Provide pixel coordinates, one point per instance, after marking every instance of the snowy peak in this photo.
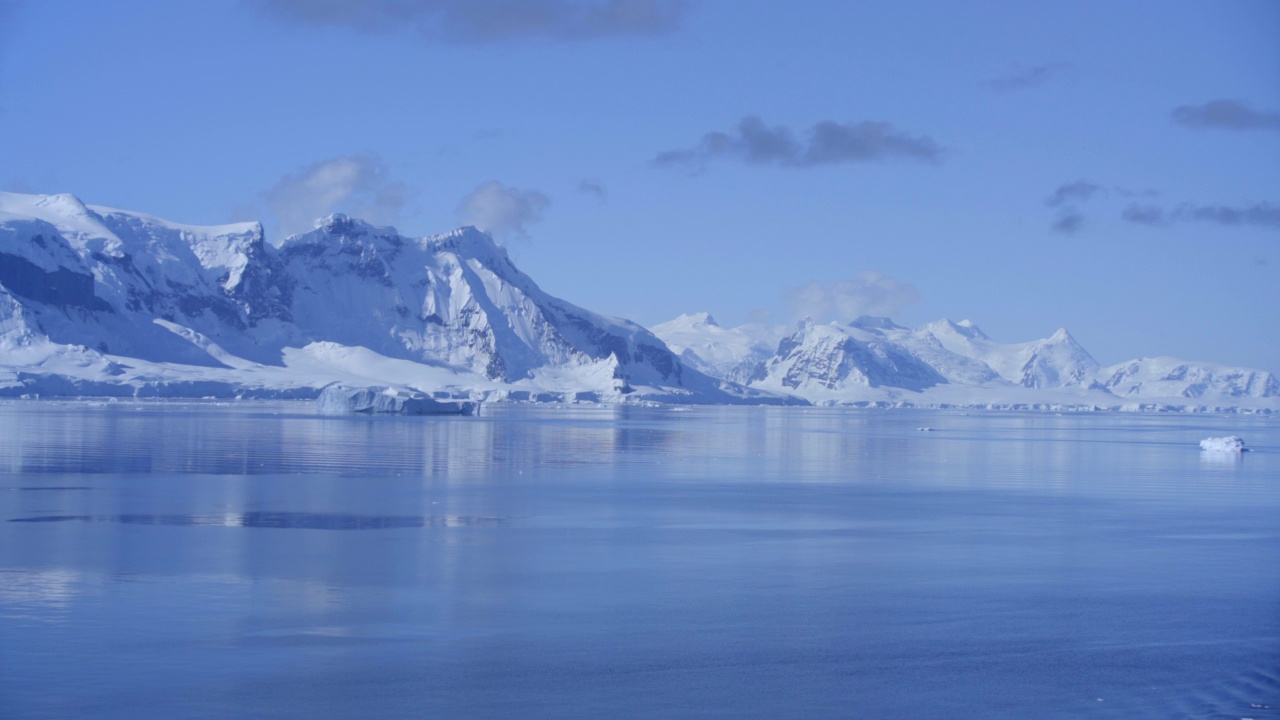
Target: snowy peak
(702, 318)
(823, 361)
(469, 242)
(948, 329)
(870, 322)
(339, 224)
(968, 328)
(1056, 361)
(339, 233)
(689, 322)
(64, 211)
(733, 354)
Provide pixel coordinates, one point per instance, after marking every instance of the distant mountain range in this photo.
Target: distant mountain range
(874, 361)
(102, 302)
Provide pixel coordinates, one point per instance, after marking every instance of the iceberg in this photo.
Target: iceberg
(338, 399)
(1230, 444)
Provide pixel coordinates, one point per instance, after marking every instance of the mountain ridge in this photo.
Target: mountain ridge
(134, 289)
(874, 360)
(101, 301)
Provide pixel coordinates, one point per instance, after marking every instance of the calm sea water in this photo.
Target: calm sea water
(257, 560)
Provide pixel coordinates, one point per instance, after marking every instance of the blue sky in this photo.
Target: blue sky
(1110, 167)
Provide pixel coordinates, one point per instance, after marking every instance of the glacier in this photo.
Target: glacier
(96, 301)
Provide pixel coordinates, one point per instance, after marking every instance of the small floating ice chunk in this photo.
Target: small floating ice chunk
(1230, 444)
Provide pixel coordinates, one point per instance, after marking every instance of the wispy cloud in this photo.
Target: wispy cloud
(826, 143)
(360, 185)
(591, 186)
(1144, 214)
(1067, 198)
(18, 185)
(1225, 115)
(1027, 78)
(1255, 214)
(868, 293)
(1069, 221)
(1261, 215)
(501, 210)
(483, 21)
(1078, 191)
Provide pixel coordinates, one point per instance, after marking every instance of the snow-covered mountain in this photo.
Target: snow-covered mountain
(732, 354)
(92, 297)
(1170, 377)
(1056, 361)
(98, 301)
(823, 361)
(873, 360)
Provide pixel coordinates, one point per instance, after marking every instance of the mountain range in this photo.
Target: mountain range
(102, 302)
(873, 361)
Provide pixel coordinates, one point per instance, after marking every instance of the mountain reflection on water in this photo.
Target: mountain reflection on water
(1034, 450)
(282, 520)
(551, 562)
(268, 438)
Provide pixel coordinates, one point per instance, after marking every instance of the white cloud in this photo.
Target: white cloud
(868, 293)
(501, 210)
(359, 185)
